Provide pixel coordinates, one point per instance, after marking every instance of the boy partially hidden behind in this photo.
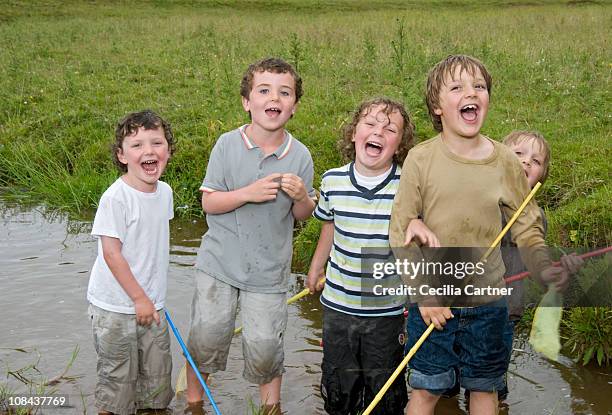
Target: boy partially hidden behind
(457, 182)
(127, 287)
(533, 151)
(258, 182)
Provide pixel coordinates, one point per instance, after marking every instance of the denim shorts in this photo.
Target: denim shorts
(473, 345)
(134, 362)
(213, 320)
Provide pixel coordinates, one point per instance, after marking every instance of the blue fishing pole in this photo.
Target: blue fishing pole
(191, 362)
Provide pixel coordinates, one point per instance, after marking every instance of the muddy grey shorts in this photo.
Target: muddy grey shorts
(213, 317)
(134, 362)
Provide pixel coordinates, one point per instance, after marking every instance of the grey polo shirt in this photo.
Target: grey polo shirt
(250, 247)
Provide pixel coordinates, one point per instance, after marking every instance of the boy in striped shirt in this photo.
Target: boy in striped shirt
(362, 333)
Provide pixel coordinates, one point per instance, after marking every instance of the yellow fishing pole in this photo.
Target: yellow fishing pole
(424, 336)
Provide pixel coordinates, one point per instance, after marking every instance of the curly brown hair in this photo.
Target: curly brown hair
(274, 65)
(346, 144)
(437, 78)
(130, 124)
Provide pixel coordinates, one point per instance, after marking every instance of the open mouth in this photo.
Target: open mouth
(150, 167)
(373, 148)
(469, 112)
(273, 112)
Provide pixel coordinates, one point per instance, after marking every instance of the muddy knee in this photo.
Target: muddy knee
(263, 360)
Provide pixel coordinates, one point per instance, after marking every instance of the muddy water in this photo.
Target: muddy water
(44, 269)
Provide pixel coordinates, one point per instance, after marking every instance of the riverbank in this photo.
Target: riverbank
(45, 261)
(70, 70)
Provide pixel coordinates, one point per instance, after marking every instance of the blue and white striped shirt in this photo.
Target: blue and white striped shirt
(361, 223)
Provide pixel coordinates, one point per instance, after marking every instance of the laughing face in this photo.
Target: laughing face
(463, 104)
(146, 154)
(271, 101)
(377, 137)
(531, 155)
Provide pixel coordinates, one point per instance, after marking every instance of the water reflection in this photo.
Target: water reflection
(44, 270)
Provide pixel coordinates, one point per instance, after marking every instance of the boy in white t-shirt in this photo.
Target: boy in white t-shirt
(127, 287)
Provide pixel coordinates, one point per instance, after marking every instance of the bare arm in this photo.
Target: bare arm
(145, 310)
(407, 204)
(303, 209)
(319, 259)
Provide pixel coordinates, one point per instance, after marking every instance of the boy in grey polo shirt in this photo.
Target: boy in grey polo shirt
(258, 181)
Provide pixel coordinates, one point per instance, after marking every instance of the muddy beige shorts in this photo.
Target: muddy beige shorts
(134, 362)
(213, 318)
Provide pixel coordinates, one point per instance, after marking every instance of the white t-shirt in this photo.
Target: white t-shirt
(141, 222)
(370, 182)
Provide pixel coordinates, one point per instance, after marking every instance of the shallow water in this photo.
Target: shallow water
(45, 261)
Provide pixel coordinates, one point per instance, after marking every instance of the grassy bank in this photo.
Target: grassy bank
(69, 70)
(19, 384)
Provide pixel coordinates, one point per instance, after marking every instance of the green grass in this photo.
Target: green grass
(588, 334)
(587, 331)
(586, 325)
(70, 70)
(29, 380)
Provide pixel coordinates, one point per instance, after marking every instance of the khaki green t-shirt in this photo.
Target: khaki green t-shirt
(461, 201)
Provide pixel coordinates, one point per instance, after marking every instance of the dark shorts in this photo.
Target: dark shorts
(472, 346)
(359, 356)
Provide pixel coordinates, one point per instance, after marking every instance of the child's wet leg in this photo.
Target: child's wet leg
(483, 403)
(194, 393)
(269, 394)
(421, 402)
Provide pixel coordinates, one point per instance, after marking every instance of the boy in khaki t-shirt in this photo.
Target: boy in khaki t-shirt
(457, 182)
